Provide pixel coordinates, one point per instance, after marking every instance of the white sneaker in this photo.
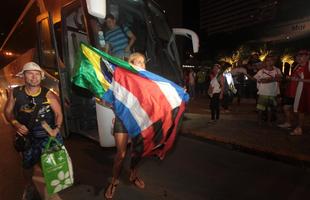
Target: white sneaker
(285, 125)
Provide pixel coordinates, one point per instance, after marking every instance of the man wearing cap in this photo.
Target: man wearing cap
(302, 87)
(23, 103)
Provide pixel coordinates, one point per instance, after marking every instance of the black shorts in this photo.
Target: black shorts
(119, 127)
(289, 101)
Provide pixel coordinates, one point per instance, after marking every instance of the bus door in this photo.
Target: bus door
(81, 109)
(49, 59)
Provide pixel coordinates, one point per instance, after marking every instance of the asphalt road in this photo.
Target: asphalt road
(194, 170)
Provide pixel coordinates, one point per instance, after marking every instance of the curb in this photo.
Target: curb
(300, 161)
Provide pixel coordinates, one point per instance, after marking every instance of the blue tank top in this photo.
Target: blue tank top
(25, 106)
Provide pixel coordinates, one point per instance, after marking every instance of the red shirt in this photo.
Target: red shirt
(292, 86)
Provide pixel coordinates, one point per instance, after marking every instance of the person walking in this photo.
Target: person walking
(121, 141)
(302, 97)
(268, 88)
(192, 83)
(201, 82)
(215, 91)
(26, 107)
(289, 96)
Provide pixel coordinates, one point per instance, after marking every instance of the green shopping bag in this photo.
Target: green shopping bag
(56, 167)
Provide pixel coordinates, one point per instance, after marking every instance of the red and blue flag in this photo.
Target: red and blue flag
(150, 106)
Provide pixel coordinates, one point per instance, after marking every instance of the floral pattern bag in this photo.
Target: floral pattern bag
(56, 167)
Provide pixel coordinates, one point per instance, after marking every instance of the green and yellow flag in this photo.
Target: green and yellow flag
(95, 69)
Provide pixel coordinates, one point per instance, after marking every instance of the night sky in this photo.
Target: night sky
(10, 10)
(180, 13)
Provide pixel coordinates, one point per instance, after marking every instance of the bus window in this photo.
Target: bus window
(160, 26)
(154, 38)
(58, 31)
(47, 51)
(82, 112)
(129, 14)
(74, 34)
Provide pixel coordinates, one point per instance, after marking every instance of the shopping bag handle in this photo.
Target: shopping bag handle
(50, 140)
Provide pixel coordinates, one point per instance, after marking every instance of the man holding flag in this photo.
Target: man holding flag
(148, 106)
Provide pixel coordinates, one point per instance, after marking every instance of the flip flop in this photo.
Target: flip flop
(138, 182)
(110, 190)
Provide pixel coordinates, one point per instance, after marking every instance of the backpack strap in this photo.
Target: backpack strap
(123, 30)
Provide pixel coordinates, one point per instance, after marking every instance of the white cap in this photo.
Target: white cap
(30, 66)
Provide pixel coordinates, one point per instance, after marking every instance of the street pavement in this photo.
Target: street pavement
(196, 168)
(239, 129)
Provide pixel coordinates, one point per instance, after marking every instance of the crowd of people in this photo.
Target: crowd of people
(266, 83)
(262, 80)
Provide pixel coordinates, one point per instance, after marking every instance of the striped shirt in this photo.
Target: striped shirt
(117, 40)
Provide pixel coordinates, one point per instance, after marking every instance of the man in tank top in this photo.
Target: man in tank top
(19, 109)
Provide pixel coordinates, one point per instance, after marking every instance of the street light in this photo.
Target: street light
(287, 59)
(8, 53)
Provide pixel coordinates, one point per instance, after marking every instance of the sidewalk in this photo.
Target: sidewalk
(239, 129)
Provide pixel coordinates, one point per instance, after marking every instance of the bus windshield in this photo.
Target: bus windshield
(154, 37)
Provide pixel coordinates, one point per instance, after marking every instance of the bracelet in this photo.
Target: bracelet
(13, 122)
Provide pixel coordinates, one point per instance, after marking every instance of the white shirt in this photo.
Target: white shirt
(216, 87)
(268, 89)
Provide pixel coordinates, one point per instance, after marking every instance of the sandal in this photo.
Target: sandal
(110, 190)
(297, 131)
(138, 182)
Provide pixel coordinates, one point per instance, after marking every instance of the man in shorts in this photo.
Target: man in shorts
(268, 88)
(302, 96)
(24, 102)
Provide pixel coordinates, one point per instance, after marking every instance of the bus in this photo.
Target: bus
(49, 32)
